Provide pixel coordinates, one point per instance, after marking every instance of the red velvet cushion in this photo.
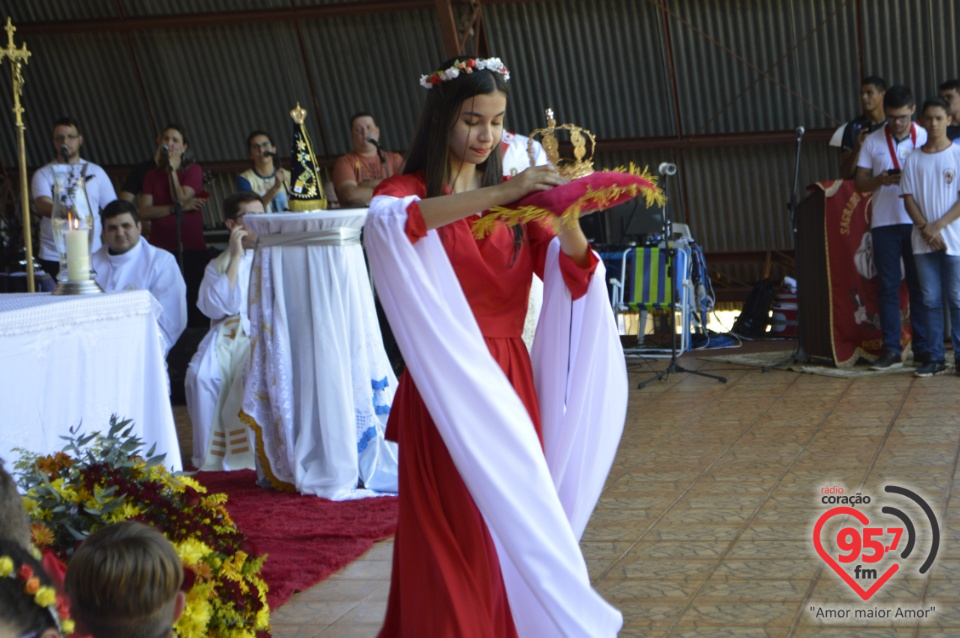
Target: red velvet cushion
(567, 202)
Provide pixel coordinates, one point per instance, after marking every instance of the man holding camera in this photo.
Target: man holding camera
(878, 172)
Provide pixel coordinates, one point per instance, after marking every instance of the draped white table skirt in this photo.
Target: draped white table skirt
(319, 387)
(71, 360)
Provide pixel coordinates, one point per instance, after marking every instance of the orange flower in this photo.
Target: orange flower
(52, 465)
(41, 535)
(32, 586)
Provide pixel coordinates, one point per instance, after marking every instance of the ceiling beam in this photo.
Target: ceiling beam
(185, 20)
(448, 27)
(761, 138)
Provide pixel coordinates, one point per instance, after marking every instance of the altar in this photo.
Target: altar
(77, 360)
(319, 386)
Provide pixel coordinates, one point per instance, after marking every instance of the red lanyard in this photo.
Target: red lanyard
(893, 151)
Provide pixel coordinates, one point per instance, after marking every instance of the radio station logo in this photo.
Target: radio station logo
(866, 547)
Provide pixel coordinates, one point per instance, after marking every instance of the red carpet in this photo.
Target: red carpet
(307, 538)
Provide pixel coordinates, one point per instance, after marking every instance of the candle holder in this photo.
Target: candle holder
(72, 222)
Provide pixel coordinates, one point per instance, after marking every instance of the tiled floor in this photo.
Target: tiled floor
(705, 527)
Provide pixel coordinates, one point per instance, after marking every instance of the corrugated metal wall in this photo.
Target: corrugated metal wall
(726, 73)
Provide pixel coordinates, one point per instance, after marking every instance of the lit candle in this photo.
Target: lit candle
(78, 255)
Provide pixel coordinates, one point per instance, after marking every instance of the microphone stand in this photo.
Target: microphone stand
(799, 355)
(177, 211)
(383, 159)
(671, 263)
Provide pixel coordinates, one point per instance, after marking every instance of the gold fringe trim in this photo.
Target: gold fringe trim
(306, 206)
(278, 485)
(598, 199)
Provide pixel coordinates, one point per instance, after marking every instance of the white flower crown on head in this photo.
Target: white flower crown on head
(465, 66)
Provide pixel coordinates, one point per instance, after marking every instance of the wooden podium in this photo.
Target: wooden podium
(813, 313)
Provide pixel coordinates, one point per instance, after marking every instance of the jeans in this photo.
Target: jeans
(891, 248)
(940, 278)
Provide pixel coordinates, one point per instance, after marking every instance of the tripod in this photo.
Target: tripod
(670, 249)
(799, 355)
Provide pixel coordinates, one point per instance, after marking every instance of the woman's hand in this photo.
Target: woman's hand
(532, 180)
(174, 158)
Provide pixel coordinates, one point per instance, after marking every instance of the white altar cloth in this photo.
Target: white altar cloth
(319, 386)
(67, 360)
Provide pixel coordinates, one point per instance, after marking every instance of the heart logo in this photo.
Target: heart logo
(829, 560)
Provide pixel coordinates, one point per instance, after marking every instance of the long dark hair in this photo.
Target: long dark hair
(429, 151)
(188, 157)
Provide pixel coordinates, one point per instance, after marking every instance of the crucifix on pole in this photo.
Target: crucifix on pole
(19, 57)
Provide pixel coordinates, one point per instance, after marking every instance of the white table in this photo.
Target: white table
(67, 360)
(319, 385)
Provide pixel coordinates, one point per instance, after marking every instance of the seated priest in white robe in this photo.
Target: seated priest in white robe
(214, 383)
(126, 261)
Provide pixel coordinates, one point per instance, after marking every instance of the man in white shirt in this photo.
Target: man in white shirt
(931, 194)
(126, 261)
(214, 383)
(878, 171)
(68, 140)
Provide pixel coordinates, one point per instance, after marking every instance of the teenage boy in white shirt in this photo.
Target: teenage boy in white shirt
(931, 193)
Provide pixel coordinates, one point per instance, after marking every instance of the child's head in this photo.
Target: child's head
(14, 524)
(27, 598)
(452, 99)
(935, 115)
(124, 581)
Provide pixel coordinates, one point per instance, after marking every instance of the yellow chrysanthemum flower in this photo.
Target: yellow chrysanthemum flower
(263, 616)
(192, 551)
(124, 512)
(197, 614)
(186, 480)
(67, 492)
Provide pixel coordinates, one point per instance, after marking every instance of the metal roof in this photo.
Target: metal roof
(715, 86)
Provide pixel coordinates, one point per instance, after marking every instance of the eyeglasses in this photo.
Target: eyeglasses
(63, 138)
(263, 145)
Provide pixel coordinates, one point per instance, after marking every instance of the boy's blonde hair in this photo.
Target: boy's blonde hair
(123, 582)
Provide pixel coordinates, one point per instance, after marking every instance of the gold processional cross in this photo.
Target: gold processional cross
(19, 57)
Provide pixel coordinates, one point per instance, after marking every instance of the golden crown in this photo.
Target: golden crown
(581, 164)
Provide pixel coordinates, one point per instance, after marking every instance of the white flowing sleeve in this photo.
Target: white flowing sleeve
(487, 431)
(217, 298)
(171, 291)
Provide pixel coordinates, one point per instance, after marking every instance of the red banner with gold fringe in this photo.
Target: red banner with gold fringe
(852, 276)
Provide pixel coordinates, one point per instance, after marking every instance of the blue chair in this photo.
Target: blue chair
(646, 284)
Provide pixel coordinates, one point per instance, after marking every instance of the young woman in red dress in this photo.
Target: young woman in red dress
(474, 486)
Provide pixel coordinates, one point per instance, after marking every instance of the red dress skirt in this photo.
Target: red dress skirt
(446, 579)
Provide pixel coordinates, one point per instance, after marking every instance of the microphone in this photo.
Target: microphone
(165, 150)
(269, 154)
(374, 142)
(64, 152)
(801, 131)
(666, 168)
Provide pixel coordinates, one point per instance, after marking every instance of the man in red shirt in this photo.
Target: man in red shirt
(357, 173)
